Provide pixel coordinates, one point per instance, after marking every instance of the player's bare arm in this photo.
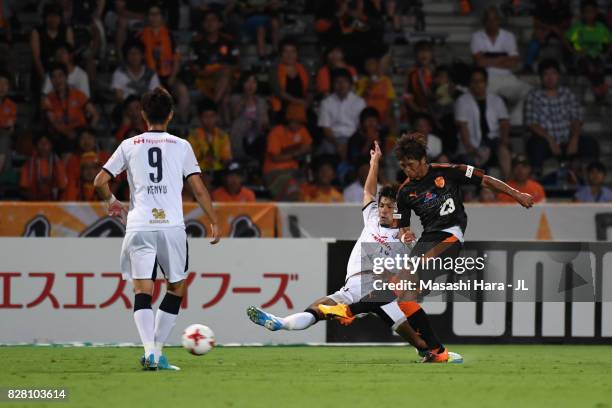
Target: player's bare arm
(370, 187)
(115, 208)
(203, 198)
(524, 199)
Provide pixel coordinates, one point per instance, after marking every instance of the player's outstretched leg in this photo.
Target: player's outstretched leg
(145, 323)
(165, 319)
(296, 321)
(419, 320)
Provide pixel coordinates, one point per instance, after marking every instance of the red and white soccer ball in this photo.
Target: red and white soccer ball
(198, 339)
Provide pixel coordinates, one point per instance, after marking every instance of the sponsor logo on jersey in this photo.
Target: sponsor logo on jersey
(430, 196)
(159, 215)
(139, 140)
(440, 182)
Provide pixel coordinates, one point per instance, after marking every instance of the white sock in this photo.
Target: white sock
(164, 323)
(298, 321)
(145, 323)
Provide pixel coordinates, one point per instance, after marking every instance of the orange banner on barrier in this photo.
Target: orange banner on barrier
(71, 219)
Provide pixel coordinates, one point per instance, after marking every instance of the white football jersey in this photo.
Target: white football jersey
(376, 240)
(157, 163)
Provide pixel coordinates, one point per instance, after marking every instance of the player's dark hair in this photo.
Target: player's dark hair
(389, 191)
(409, 147)
(157, 105)
(479, 70)
(422, 45)
(341, 73)
(207, 105)
(58, 66)
(368, 112)
(548, 63)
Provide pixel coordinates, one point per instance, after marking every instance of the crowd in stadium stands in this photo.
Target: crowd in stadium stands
(284, 127)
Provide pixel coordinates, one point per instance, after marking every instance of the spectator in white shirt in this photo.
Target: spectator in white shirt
(339, 114)
(353, 193)
(77, 78)
(133, 78)
(484, 128)
(495, 49)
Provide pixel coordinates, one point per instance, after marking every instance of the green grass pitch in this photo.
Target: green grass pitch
(492, 376)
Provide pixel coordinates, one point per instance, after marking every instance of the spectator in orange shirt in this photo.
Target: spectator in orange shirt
(87, 145)
(132, 124)
(334, 59)
(377, 89)
(322, 190)
(233, 190)
(8, 116)
(522, 181)
(162, 57)
(43, 176)
(418, 96)
(82, 189)
(287, 145)
(66, 109)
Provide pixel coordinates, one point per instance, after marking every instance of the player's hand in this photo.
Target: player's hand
(524, 199)
(376, 153)
(117, 210)
(216, 233)
(407, 237)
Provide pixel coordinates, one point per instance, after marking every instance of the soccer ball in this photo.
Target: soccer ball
(198, 339)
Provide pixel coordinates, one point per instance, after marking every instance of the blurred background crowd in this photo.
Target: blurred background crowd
(282, 100)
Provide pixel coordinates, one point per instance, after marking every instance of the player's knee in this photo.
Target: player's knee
(177, 288)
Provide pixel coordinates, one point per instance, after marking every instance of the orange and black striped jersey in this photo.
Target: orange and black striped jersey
(437, 198)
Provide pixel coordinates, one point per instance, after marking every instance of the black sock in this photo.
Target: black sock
(420, 322)
(171, 303)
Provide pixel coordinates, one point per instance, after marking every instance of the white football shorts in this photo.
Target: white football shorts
(352, 292)
(144, 251)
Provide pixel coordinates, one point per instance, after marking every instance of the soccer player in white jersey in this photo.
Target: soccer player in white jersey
(378, 235)
(157, 163)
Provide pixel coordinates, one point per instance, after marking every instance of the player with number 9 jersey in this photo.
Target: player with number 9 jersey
(156, 163)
